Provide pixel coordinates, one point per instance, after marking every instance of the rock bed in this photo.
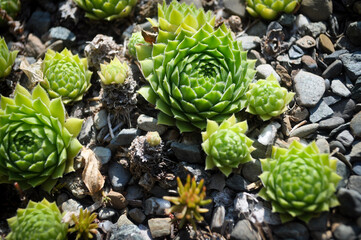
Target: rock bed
(316, 54)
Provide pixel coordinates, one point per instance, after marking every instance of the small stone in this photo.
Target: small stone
(237, 183)
(100, 119)
(339, 145)
(295, 52)
(339, 88)
(118, 176)
(356, 168)
(106, 213)
(346, 232)
(128, 232)
(326, 44)
(323, 145)
(356, 151)
(255, 55)
(116, 200)
(353, 32)
(149, 124)
(259, 29)
(354, 183)
(309, 63)
(134, 192)
(249, 42)
(123, 220)
(315, 28)
(159, 227)
(319, 223)
(343, 171)
(137, 215)
(345, 138)
(62, 197)
(331, 123)
(304, 130)
(334, 70)
(268, 134)
(344, 108)
(106, 226)
(218, 182)
(355, 125)
(251, 170)
(312, 9)
(306, 42)
(34, 47)
(103, 154)
(156, 206)
(86, 131)
(61, 33)
(39, 23)
(302, 21)
(186, 152)
(125, 137)
(330, 58)
(309, 88)
(244, 231)
(352, 64)
(75, 184)
(71, 205)
(292, 230)
(218, 219)
(356, 91)
(330, 100)
(264, 70)
(350, 202)
(287, 20)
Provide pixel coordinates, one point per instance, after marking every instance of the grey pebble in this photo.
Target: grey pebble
(159, 227)
(323, 145)
(61, 33)
(71, 205)
(128, 232)
(264, 70)
(237, 183)
(304, 130)
(353, 32)
(148, 123)
(355, 151)
(319, 223)
(350, 202)
(118, 176)
(137, 215)
(187, 152)
(156, 206)
(333, 70)
(331, 123)
(352, 64)
(218, 219)
(330, 58)
(39, 23)
(125, 137)
(330, 100)
(251, 170)
(295, 52)
(217, 182)
(345, 138)
(134, 192)
(244, 231)
(320, 111)
(339, 88)
(355, 125)
(107, 213)
(356, 91)
(86, 131)
(315, 29)
(249, 42)
(100, 119)
(344, 108)
(343, 171)
(292, 230)
(346, 232)
(309, 88)
(354, 183)
(339, 129)
(337, 144)
(103, 154)
(356, 168)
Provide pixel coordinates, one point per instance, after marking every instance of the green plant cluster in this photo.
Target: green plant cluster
(12, 8)
(114, 72)
(270, 9)
(84, 225)
(7, 58)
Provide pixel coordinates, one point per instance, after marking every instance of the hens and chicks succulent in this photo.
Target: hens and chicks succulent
(270, 9)
(7, 58)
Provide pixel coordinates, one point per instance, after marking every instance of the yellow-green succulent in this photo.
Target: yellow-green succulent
(270, 9)
(114, 72)
(7, 58)
(84, 225)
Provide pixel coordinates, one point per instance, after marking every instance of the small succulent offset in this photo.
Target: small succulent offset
(135, 39)
(65, 75)
(270, 9)
(196, 77)
(12, 8)
(38, 221)
(114, 72)
(226, 145)
(7, 58)
(187, 207)
(38, 143)
(84, 225)
(299, 181)
(267, 98)
(106, 9)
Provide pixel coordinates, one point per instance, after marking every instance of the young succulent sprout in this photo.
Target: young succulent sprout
(106, 9)
(136, 39)
(65, 75)
(267, 99)
(270, 9)
(84, 225)
(38, 221)
(299, 181)
(11, 7)
(38, 142)
(187, 207)
(153, 138)
(7, 58)
(226, 145)
(114, 72)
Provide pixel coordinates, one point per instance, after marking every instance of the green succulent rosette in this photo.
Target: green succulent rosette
(38, 221)
(196, 77)
(270, 9)
(134, 40)
(226, 145)
(65, 75)
(299, 181)
(267, 99)
(106, 9)
(114, 72)
(12, 7)
(7, 58)
(38, 144)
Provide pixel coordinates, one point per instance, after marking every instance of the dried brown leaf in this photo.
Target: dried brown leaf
(149, 37)
(91, 175)
(32, 71)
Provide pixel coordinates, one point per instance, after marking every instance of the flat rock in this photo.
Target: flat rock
(334, 70)
(309, 88)
(237, 183)
(350, 202)
(116, 200)
(306, 42)
(330, 58)
(339, 88)
(148, 123)
(356, 151)
(125, 137)
(344, 108)
(345, 138)
(353, 33)
(331, 123)
(292, 230)
(355, 125)
(218, 182)
(137, 215)
(249, 42)
(311, 8)
(129, 232)
(346, 232)
(251, 170)
(187, 152)
(356, 91)
(326, 44)
(244, 231)
(100, 119)
(304, 130)
(320, 111)
(218, 219)
(103, 154)
(352, 64)
(159, 227)
(354, 183)
(118, 176)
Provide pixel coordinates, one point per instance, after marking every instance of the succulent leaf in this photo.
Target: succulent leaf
(270, 9)
(188, 205)
(39, 143)
(84, 225)
(7, 58)
(38, 221)
(65, 75)
(226, 145)
(299, 181)
(114, 72)
(136, 39)
(106, 9)
(267, 98)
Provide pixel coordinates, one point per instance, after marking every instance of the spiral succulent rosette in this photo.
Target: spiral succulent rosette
(195, 77)
(38, 221)
(7, 58)
(299, 181)
(114, 72)
(65, 75)
(267, 99)
(270, 9)
(38, 143)
(106, 9)
(226, 145)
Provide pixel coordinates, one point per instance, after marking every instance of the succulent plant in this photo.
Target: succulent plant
(299, 181)
(12, 7)
(84, 225)
(135, 39)
(38, 221)
(38, 142)
(7, 58)
(267, 98)
(65, 75)
(106, 9)
(195, 77)
(226, 145)
(153, 139)
(270, 9)
(176, 17)
(114, 72)
(187, 207)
